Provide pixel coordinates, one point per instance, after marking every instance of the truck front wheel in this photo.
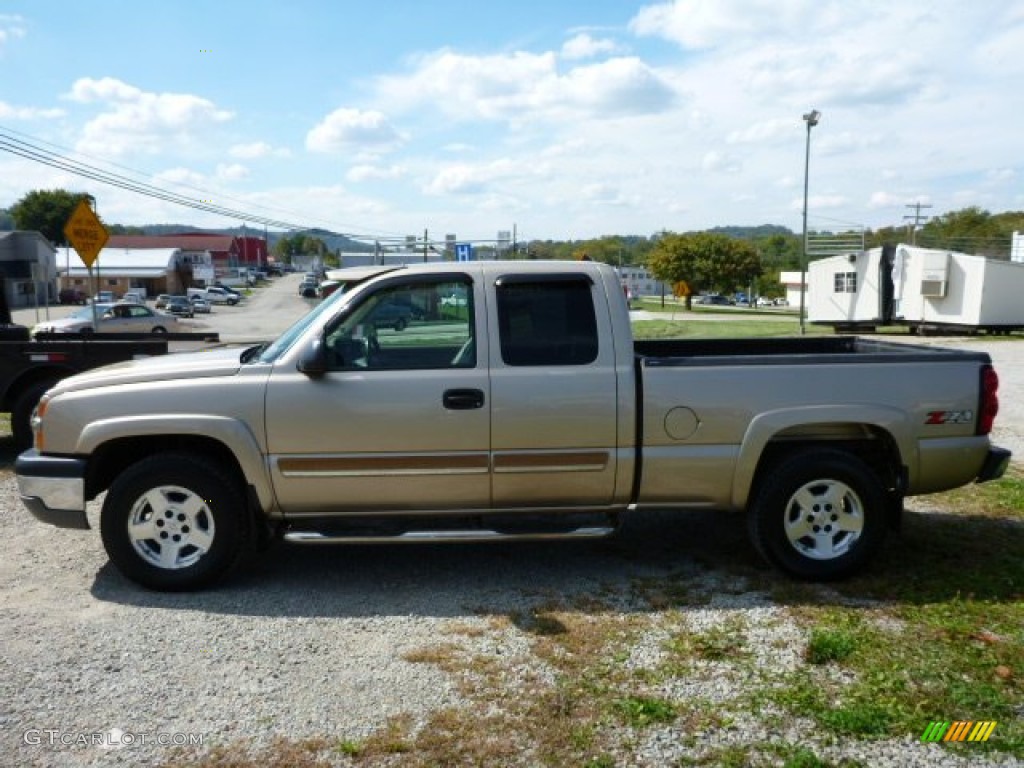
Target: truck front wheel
(175, 522)
(820, 514)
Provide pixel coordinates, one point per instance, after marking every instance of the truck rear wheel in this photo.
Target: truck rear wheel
(819, 515)
(175, 522)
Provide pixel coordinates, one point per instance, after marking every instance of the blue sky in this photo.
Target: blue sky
(563, 120)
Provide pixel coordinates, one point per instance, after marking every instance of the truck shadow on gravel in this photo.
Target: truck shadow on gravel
(658, 560)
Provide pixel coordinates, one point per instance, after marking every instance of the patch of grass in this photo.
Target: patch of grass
(722, 643)
(801, 757)
(954, 660)
(828, 645)
(643, 711)
(998, 498)
(684, 326)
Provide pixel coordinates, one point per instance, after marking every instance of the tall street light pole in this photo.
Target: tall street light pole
(811, 118)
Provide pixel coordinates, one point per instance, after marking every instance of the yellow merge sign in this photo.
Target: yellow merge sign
(86, 233)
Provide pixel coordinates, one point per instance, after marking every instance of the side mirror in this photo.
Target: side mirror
(313, 361)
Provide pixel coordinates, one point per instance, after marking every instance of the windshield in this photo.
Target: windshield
(284, 342)
(85, 313)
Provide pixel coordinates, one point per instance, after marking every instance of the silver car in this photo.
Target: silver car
(123, 317)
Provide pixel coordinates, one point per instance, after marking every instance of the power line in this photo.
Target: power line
(38, 154)
(31, 150)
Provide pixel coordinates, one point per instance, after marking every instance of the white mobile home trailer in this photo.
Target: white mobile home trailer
(920, 287)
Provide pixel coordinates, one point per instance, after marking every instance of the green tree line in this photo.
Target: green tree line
(720, 259)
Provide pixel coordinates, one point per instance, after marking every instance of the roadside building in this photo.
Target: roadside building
(28, 265)
(906, 285)
(792, 283)
(151, 271)
(640, 282)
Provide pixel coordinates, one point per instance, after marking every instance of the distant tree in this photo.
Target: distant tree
(674, 259)
(47, 211)
(121, 229)
(781, 251)
(704, 261)
(6, 221)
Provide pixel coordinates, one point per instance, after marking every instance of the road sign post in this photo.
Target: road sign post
(87, 236)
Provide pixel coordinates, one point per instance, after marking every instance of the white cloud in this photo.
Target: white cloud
(764, 132)
(137, 120)
(9, 112)
(346, 129)
(231, 172)
(11, 28)
(369, 172)
(464, 179)
(716, 162)
(701, 24)
(583, 46)
(879, 200)
(87, 90)
(180, 175)
(256, 150)
(1002, 175)
(521, 87)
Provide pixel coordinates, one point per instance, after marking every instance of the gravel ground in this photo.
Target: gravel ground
(314, 641)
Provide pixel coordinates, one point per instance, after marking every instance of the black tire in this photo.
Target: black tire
(21, 415)
(400, 324)
(159, 330)
(820, 514)
(189, 505)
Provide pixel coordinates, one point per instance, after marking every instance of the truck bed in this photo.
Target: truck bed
(797, 350)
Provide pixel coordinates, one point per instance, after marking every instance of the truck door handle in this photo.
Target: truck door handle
(463, 399)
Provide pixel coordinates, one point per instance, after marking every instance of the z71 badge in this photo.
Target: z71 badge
(950, 417)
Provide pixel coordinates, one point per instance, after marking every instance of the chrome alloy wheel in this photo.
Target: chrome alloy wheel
(824, 519)
(171, 527)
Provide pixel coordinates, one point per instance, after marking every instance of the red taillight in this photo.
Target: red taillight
(988, 406)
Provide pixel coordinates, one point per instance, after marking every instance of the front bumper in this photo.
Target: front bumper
(52, 488)
(995, 465)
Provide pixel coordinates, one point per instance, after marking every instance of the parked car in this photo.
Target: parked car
(135, 297)
(72, 296)
(200, 305)
(113, 318)
(395, 313)
(180, 306)
(216, 295)
(161, 300)
(716, 300)
(104, 297)
(228, 289)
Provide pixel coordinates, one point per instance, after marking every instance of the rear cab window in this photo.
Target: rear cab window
(546, 320)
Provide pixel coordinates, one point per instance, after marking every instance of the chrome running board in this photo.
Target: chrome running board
(413, 537)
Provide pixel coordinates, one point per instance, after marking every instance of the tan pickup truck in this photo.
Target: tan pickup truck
(502, 400)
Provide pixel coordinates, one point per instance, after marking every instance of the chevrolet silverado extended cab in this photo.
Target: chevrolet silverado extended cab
(512, 403)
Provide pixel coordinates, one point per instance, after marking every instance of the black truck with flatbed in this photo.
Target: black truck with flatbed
(29, 367)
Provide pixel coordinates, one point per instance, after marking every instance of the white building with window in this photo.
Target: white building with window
(641, 282)
(904, 284)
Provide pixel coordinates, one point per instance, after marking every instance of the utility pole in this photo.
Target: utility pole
(917, 218)
(426, 245)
